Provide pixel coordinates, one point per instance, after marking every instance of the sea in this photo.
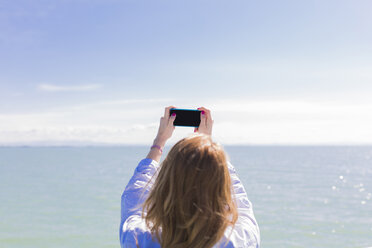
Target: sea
(302, 196)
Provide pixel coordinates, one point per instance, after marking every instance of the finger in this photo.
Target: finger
(196, 129)
(171, 119)
(207, 114)
(203, 121)
(202, 110)
(207, 111)
(167, 111)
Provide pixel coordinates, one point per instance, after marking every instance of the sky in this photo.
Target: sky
(78, 72)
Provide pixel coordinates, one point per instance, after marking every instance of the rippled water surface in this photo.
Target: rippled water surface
(70, 197)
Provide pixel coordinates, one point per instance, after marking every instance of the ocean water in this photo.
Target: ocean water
(307, 196)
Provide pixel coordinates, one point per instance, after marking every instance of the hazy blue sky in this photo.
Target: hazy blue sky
(272, 72)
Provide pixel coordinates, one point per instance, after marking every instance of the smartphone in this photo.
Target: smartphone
(186, 117)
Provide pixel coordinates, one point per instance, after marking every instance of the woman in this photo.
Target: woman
(194, 199)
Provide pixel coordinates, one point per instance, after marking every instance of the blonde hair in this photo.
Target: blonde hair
(190, 203)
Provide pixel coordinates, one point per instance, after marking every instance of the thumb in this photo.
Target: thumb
(172, 118)
(202, 119)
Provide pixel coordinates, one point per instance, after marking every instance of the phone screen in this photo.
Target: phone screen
(186, 117)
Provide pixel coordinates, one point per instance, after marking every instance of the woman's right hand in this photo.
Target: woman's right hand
(206, 122)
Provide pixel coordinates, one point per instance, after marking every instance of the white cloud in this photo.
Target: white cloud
(119, 103)
(57, 88)
(292, 122)
(135, 121)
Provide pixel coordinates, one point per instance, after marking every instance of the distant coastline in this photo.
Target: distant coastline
(101, 144)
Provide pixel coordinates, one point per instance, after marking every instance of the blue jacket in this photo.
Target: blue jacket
(133, 229)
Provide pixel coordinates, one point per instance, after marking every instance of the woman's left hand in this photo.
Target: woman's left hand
(166, 127)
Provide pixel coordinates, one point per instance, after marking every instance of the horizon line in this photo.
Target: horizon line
(170, 145)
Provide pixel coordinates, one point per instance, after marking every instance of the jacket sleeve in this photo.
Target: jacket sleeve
(246, 223)
(136, 192)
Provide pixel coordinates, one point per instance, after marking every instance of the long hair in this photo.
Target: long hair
(190, 204)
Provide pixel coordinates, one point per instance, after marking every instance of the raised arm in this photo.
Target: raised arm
(246, 220)
(165, 131)
(136, 192)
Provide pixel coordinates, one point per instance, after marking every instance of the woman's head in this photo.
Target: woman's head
(190, 204)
